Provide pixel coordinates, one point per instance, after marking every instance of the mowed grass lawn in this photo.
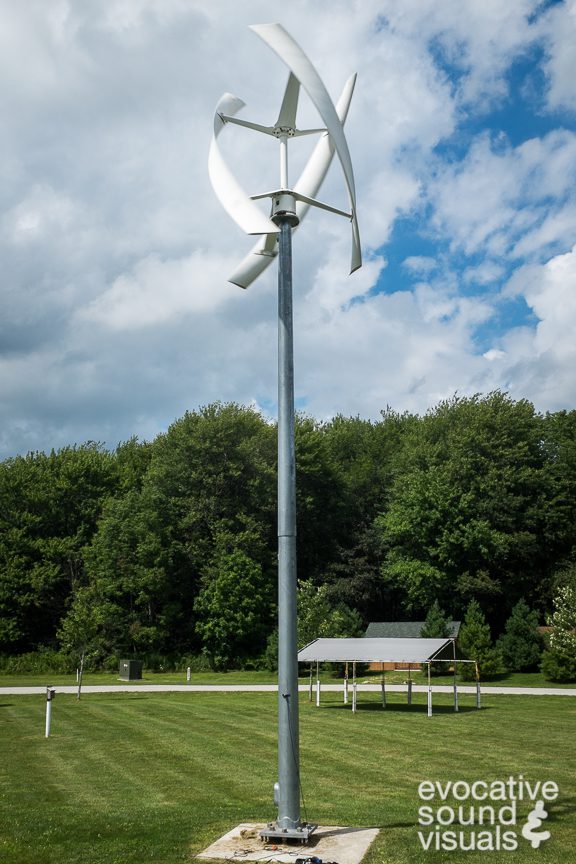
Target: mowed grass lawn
(139, 777)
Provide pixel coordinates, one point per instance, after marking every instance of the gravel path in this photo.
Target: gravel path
(271, 688)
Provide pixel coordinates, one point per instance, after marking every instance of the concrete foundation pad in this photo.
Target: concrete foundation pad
(328, 842)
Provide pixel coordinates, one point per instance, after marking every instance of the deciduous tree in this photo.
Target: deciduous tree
(49, 507)
(559, 661)
(233, 611)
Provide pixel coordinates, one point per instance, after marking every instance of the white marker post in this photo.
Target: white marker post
(478, 698)
(50, 692)
(455, 680)
(188, 674)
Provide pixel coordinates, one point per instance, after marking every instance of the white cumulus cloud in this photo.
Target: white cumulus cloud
(116, 314)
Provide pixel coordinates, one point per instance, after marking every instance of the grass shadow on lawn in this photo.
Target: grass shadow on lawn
(563, 806)
(395, 707)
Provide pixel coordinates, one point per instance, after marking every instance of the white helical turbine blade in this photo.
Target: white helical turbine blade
(265, 250)
(287, 116)
(317, 166)
(232, 197)
(292, 55)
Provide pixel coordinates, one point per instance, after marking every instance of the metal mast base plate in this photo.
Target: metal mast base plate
(300, 834)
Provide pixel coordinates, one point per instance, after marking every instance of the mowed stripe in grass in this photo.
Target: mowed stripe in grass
(119, 768)
(389, 752)
(136, 777)
(163, 745)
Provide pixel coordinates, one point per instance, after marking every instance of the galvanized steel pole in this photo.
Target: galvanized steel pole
(287, 792)
(288, 725)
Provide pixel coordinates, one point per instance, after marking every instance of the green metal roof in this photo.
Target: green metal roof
(402, 629)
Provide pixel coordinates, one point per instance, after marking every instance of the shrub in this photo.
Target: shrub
(155, 662)
(270, 657)
(558, 667)
(196, 662)
(36, 662)
(111, 663)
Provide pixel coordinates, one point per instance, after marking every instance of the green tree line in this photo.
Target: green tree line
(168, 548)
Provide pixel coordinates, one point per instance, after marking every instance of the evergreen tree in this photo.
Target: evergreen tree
(476, 643)
(521, 644)
(437, 623)
(436, 626)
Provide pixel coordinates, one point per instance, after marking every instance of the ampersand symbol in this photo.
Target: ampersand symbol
(535, 818)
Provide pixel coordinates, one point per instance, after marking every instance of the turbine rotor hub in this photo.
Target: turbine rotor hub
(281, 131)
(284, 209)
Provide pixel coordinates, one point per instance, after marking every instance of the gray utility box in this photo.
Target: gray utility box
(130, 670)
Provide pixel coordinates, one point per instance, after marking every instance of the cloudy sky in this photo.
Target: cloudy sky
(116, 313)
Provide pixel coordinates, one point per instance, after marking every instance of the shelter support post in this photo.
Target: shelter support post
(383, 686)
(354, 688)
(455, 682)
(478, 702)
(346, 684)
(429, 693)
(317, 684)
(409, 685)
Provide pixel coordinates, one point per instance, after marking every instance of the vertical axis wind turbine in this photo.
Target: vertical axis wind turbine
(289, 205)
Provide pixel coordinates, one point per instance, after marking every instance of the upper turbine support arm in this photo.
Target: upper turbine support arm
(267, 130)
